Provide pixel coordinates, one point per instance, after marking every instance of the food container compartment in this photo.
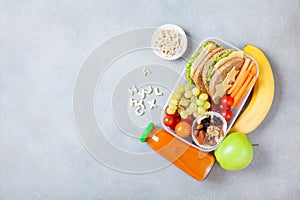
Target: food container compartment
(182, 80)
(169, 42)
(216, 122)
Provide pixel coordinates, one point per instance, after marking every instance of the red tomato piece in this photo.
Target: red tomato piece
(173, 115)
(227, 114)
(214, 107)
(227, 101)
(177, 120)
(169, 121)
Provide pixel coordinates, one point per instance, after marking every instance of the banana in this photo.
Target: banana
(263, 94)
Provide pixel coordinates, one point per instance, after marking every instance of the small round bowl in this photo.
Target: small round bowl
(216, 131)
(172, 30)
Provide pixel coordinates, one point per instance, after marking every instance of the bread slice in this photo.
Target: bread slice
(220, 74)
(207, 49)
(233, 54)
(197, 76)
(206, 67)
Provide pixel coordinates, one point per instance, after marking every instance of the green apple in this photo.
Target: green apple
(235, 152)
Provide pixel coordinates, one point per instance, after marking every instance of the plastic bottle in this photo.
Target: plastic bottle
(188, 158)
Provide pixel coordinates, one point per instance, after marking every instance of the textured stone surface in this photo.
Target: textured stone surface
(42, 46)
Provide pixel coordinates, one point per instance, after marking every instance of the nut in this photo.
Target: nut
(199, 126)
(201, 137)
(212, 142)
(196, 132)
(213, 131)
(221, 133)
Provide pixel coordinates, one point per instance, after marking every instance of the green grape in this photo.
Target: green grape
(170, 111)
(178, 95)
(180, 88)
(203, 96)
(174, 96)
(193, 98)
(200, 102)
(188, 94)
(187, 87)
(188, 110)
(184, 114)
(173, 107)
(196, 91)
(193, 107)
(201, 110)
(188, 103)
(184, 102)
(195, 114)
(207, 105)
(173, 102)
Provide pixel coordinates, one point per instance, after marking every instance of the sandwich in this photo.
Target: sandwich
(213, 69)
(198, 56)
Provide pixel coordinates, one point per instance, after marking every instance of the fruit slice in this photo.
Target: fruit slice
(263, 94)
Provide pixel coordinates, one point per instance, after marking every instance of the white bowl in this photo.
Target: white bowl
(208, 148)
(182, 46)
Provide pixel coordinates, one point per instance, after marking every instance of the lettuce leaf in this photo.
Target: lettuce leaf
(188, 66)
(192, 59)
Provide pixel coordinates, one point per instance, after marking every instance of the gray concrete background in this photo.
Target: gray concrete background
(44, 43)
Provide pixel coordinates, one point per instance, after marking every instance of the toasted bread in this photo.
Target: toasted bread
(197, 76)
(220, 74)
(206, 67)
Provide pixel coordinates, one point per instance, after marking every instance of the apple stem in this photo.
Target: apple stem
(255, 145)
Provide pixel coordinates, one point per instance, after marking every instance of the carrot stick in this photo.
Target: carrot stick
(238, 83)
(239, 96)
(246, 64)
(244, 78)
(246, 82)
(240, 76)
(252, 68)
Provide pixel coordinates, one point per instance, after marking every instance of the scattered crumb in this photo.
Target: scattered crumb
(142, 94)
(138, 111)
(140, 106)
(152, 104)
(132, 90)
(149, 91)
(146, 71)
(157, 92)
